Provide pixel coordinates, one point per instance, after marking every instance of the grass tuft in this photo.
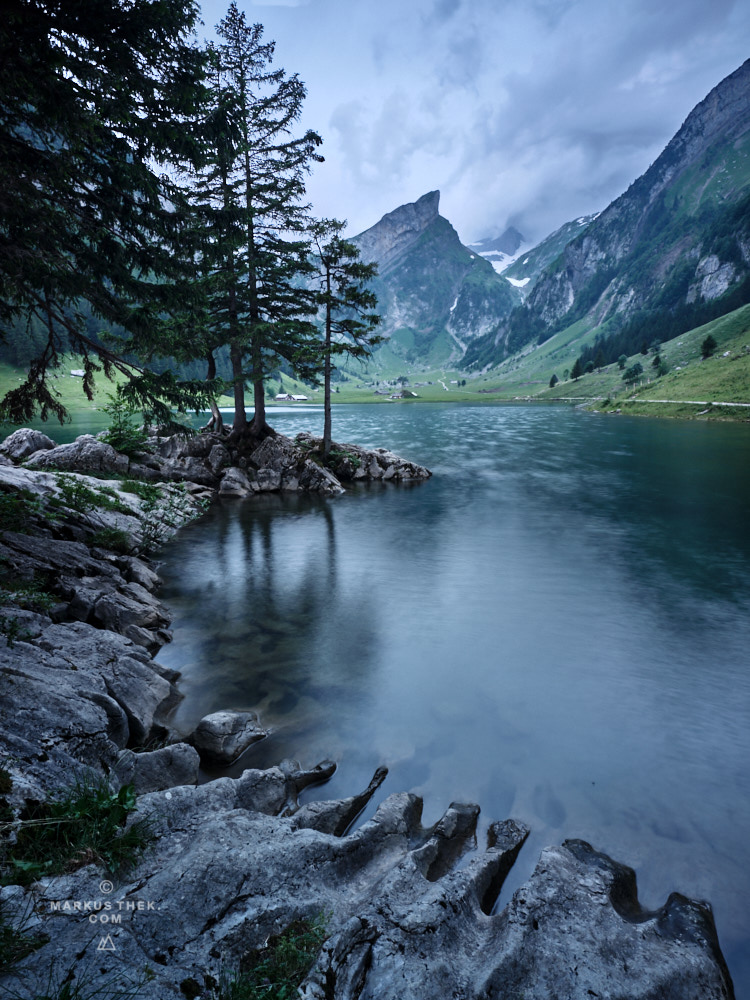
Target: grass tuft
(276, 971)
(84, 824)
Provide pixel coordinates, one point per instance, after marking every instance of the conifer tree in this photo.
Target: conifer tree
(93, 104)
(346, 303)
(253, 182)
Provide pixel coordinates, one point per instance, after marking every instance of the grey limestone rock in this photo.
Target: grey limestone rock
(85, 454)
(24, 442)
(353, 462)
(123, 671)
(268, 480)
(137, 571)
(156, 770)
(282, 464)
(218, 458)
(222, 736)
(403, 917)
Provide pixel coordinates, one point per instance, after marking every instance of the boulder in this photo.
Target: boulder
(221, 737)
(316, 479)
(235, 483)
(187, 469)
(352, 462)
(218, 458)
(153, 771)
(24, 442)
(268, 480)
(138, 571)
(85, 454)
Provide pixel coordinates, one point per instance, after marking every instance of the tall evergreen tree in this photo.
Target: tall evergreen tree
(93, 103)
(252, 183)
(346, 303)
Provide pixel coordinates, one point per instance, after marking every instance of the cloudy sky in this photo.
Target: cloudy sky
(521, 112)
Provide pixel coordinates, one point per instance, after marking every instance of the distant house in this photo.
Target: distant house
(283, 397)
(299, 399)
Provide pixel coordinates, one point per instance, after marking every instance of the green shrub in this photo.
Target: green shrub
(113, 538)
(123, 434)
(17, 510)
(13, 631)
(276, 971)
(80, 497)
(30, 596)
(345, 460)
(708, 347)
(84, 824)
(145, 491)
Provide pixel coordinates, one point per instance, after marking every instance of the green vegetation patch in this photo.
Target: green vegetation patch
(79, 497)
(15, 944)
(13, 630)
(114, 539)
(18, 510)
(276, 971)
(84, 824)
(30, 595)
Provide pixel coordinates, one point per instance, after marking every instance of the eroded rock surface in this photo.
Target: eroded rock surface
(404, 917)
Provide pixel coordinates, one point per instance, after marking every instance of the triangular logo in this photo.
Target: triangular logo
(106, 944)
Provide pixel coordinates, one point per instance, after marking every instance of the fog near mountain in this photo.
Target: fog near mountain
(528, 114)
(672, 252)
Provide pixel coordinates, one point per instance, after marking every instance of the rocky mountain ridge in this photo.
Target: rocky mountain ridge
(525, 271)
(679, 237)
(434, 294)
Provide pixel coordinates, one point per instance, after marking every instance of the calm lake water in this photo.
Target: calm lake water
(554, 626)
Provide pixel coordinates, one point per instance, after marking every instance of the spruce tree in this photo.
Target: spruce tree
(346, 304)
(253, 182)
(93, 104)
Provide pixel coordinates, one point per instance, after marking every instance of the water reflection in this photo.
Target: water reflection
(555, 626)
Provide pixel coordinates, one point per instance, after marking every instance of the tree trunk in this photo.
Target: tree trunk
(327, 375)
(258, 425)
(238, 376)
(216, 423)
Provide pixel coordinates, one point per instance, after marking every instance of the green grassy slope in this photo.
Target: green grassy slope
(723, 378)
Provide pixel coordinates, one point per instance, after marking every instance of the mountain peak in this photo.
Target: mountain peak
(398, 230)
(506, 244)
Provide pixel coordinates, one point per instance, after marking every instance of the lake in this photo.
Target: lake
(555, 626)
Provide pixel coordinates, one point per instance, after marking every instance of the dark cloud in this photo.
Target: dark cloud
(528, 113)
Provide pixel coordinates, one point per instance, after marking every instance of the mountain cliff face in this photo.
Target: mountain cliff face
(672, 252)
(434, 294)
(676, 235)
(530, 265)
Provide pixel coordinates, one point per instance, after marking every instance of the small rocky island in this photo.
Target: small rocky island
(225, 867)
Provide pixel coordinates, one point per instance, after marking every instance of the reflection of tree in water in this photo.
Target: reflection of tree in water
(272, 629)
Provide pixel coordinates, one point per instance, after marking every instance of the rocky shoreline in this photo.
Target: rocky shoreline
(407, 910)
